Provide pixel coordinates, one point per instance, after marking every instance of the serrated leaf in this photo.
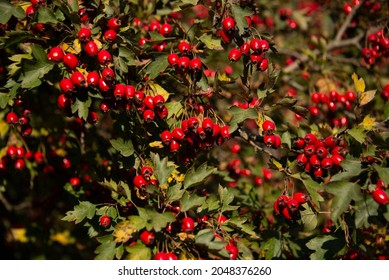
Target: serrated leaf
(34, 72)
(157, 89)
(368, 123)
(137, 222)
(320, 246)
(364, 209)
(272, 248)
(359, 83)
(239, 115)
(155, 220)
(358, 133)
(161, 169)
(46, 15)
(312, 188)
(366, 97)
(210, 42)
(308, 218)
(239, 15)
(193, 176)
(204, 237)
(73, 5)
(4, 99)
(38, 52)
(344, 192)
(157, 66)
(125, 148)
(82, 107)
(6, 11)
(242, 224)
(138, 252)
(383, 173)
(106, 251)
(127, 55)
(84, 210)
(351, 169)
(190, 201)
(174, 193)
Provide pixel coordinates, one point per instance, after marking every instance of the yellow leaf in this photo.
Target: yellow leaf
(157, 89)
(366, 97)
(359, 83)
(123, 232)
(156, 144)
(74, 49)
(61, 152)
(224, 78)
(98, 43)
(4, 127)
(325, 85)
(63, 238)
(19, 234)
(368, 123)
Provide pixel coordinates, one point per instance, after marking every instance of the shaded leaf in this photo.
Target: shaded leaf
(358, 133)
(46, 15)
(351, 169)
(157, 66)
(239, 15)
(312, 187)
(34, 72)
(272, 247)
(127, 55)
(161, 169)
(308, 218)
(190, 201)
(204, 237)
(383, 173)
(194, 176)
(6, 11)
(239, 115)
(210, 42)
(174, 193)
(125, 148)
(317, 245)
(364, 209)
(84, 210)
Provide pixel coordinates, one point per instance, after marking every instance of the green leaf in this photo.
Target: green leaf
(358, 133)
(320, 246)
(84, 210)
(125, 148)
(157, 66)
(312, 187)
(161, 169)
(155, 220)
(187, 3)
(194, 177)
(106, 251)
(38, 52)
(308, 218)
(4, 99)
(82, 107)
(272, 247)
(137, 222)
(344, 193)
(174, 193)
(6, 11)
(73, 5)
(127, 55)
(351, 169)
(190, 201)
(287, 139)
(34, 72)
(383, 173)
(239, 115)
(204, 237)
(226, 197)
(46, 15)
(239, 16)
(210, 42)
(138, 252)
(18, 12)
(364, 209)
(242, 224)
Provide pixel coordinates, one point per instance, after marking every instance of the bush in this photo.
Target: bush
(194, 129)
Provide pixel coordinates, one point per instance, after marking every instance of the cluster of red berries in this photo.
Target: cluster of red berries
(231, 247)
(143, 180)
(319, 156)
(270, 139)
(331, 103)
(165, 256)
(378, 47)
(371, 6)
(195, 134)
(35, 4)
(286, 15)
(164, 29)
(289, 207)
(22, 120)
(15, 155)
(379, 195)
(184, 60)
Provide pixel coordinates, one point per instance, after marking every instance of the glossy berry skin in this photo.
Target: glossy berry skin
(105, 221)
(259, 45)
(207, 125)
(158, 101)
(114, 24)
(160, 256)
(130, 92)
(326, 163)
(301, 198)
(110, 36)
(84, 34)
(78, 79)
(184, 47)
(148, 115)
(229, 24)
(55, 54)
(91, 48)
(183, 63)
(196, 64)
(310, 139)
(263, 65)
(19, 164)
(336, 159)
(302, 159)
(147, 237)
(74, 181)
(178, 134)
(119, 91)
(66, 85)
(148, 101)
(140, 182)
(174, 146)
(234, 55)
(104, 57)
(171, 256)
(93, 78)
(187, 224)
(268, 127)
(245, 48)
(166, 29)
(172, 59)
(224, 133)
(92, 117)
(30, 11)
(37, 3)
(12, 118)
(108, 74)
(70, 61)
(380, 196)
(166, 137)
(232, 250)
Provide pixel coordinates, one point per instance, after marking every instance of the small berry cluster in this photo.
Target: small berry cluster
(319, 156)
(15, 155)
(184, 61)
(35, 4)
(164, 29)
(332, 103)
(289, 207)
(195, 135)
(379, 195)
(21, 120)
(143, 180)
(270, 139)
(165, 256)
(370, 6)
(378, 47)
(286, 15)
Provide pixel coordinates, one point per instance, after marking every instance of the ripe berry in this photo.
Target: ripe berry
(108, 74)
(154, 26)
(139, 181)
(263, 65)
(93, 79)
(268, 127)
(326, 163)
(269, 140)
(104, 57)
(221, 219)
(162, 112)
(174, 146)
(224, 133)
(301, 198)
(19, 164)
(336, 159)
(178, 134)
(183, 63)
(193, 123)
(166, 29)
(259, 46)
(130, 92)
(63, 101)
(74, 181)
(310, 138)
(114, 24)
(207, 125)
(92, 117)
(70, 61)
(147, 237)
(196, 64)
(55, 54)
(91, 48)
(226, 36)
(245, 48)
(12, 118)
(232, 250)
(110, 36)
(148, 115)
(84, 34)
(172, 59)
(302, 159)
(309, 150)
(380, 196)
(105, 221)
(171, 256)
(184, 47)
(66, 85)
(78, 79)
(30, 11)
(187, 224)
(234, 55)
(158, 101)
(37, 3)
(160, 256)
(23, 120)
(166, 137)
(314, 161)
(228, 24)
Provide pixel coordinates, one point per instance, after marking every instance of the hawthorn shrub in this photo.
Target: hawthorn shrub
(194, 129)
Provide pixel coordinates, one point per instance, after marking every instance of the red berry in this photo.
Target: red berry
(178, 134)
(301, 198)
(183, 63)
(139, 181)
(326, 163)
(166, 137)
(380, 196)
(221, 219)
(268, 127)
(114, 24)
(336, 159)
(187, 224)
(19, 164)
(66, 85)
(119, 91)
(226, 36)
(160, 256)
(37, 3)
(310, 138)
(55, 54)
(147, 237)
(259, 45)
(172, 59)
(130, 92)
(108, 74)
(84, 34)
(302, 159)
(314, 161)
(92, 117)
(196, 64)
(207, 125)
(229, 24)
(263, 65)
(309, 150)
(91, 48)
(74, 181)
(224, 132)
(158, 101)
(104, 57)
(30, 11)
(184, 47)
(154, 26)
(93, 79)
(166, 29)
(245, 48)
(78, 79)
(148, 115)
(234, 55)
(12, 118)
(110, 36)
(318, 173)
(232, 250)
(105, 221)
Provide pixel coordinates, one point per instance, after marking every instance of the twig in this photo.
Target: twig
(5, 202)
(347, 22)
